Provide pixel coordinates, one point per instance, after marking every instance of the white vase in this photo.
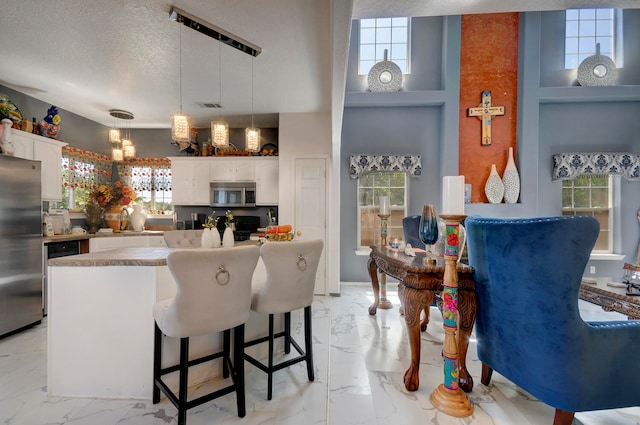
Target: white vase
(206, 240)
(227, 237)
(494, 188)
(5, 140)
(137, 218)
(215, 238)
(511, 181)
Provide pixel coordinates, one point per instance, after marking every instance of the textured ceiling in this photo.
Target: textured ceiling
(89, 56)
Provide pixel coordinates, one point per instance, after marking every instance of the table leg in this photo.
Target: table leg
(414, 301)
(373, 275)
(467, 316)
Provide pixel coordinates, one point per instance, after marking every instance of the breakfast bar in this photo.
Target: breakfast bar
(100, 327)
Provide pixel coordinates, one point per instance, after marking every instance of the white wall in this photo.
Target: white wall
(307, 135)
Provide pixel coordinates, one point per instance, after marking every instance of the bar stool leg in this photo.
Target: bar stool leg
(184, 375)
(270, 372)
(157, 361)
(308, 343)
(226, 348)
(287, 332)
(238, 368)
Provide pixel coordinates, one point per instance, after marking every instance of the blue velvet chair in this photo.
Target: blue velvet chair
(411, 229)
(528, 274)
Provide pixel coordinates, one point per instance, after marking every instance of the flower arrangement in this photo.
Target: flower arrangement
(211, 221)
(108, 196)
(229, 218)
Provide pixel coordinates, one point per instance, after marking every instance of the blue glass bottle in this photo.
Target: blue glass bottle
(429, 230)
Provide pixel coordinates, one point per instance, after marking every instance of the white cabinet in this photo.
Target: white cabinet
(112, 242)
(49, 153)
(267, 177)
(233, 170)
(190, 181)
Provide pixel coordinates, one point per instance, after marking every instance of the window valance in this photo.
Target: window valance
(146, 174)
(567, 166)
(364, 163)
(84, 169)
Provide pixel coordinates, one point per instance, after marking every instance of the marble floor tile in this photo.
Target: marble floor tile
(359, 363)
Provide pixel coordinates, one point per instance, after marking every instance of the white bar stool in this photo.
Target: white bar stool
(291, 274)
(213, 295)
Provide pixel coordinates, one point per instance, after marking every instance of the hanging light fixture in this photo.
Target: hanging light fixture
(252, 134)
(123, 148)
(219, 128)
(180, 124)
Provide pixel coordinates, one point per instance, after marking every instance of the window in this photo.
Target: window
(379, 34)
(587, 27)
(591, 194)
(370, 187)
(83, 171)
(151, 180)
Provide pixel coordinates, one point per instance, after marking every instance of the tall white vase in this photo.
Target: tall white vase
(138, 218)
(215, 238)
(494, 188)
(206, 240)
(227, 238)
(511, 181)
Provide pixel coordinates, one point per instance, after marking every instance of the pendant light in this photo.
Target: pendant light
(122, 148)
(219, 128)
(180, 124)
(252, 134)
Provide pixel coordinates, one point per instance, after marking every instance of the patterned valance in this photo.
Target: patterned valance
(567, 166)
(146, 174)
(365, 163)
(84, 169)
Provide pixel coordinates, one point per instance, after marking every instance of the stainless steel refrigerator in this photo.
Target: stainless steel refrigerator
(20, 244)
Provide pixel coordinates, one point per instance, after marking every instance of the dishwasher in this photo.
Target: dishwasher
(55, 250)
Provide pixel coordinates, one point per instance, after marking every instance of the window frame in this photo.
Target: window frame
(616, 35)
(391, 56)
(374, 208)
(613, 195)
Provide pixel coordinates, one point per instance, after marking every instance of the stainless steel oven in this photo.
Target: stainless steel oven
(233, 194)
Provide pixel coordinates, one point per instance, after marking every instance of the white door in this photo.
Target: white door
(310, 208)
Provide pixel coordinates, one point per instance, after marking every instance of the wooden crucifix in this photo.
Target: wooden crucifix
(485, 112)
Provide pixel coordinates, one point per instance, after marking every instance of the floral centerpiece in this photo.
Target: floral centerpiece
(112, 196)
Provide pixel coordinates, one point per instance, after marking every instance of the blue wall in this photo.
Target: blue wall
(553, 117)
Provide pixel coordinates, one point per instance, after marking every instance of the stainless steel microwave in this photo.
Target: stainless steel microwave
(233, 194)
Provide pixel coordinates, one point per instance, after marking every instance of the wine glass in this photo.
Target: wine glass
(429, 230)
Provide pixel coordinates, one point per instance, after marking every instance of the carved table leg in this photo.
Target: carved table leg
(467, 316)
(414, 301)
(373, 275)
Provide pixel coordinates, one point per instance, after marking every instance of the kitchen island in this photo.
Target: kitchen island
(100, 326)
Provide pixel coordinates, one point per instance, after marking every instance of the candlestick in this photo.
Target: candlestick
(447, 396)
(384, 205)
(384, 304)
(453, 195)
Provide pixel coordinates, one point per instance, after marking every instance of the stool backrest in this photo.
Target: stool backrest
(183, 238)
(213, 289)
(291, 275)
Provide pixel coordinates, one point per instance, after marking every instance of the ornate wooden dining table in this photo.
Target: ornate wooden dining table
(418, 286)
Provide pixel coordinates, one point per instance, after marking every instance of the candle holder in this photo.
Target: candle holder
(447, 397)
(384, 304)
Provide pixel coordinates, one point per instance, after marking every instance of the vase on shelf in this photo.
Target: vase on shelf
(511, 181)
(94, 217)
(138, 217)
(494, 188)
(206, 240)
(116, 217)
(227, 237)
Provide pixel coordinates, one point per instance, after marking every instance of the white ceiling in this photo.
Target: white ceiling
(89, 56)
